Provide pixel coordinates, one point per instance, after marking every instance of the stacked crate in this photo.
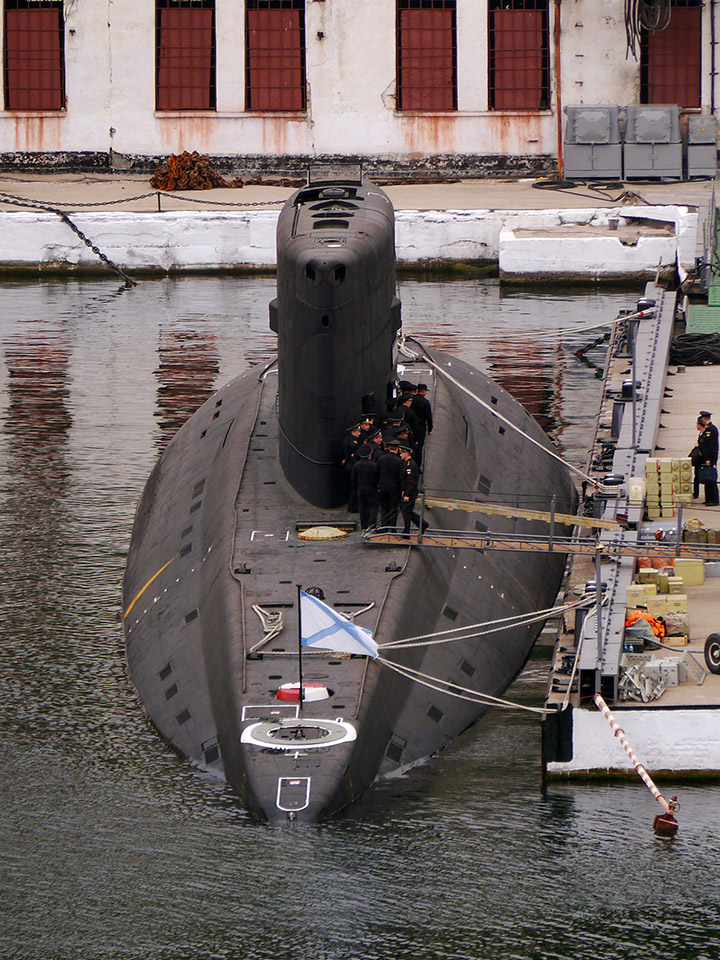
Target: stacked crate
(662, 594)
(669, 483)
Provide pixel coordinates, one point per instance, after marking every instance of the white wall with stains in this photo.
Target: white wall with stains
(110, 81)
(582, 242)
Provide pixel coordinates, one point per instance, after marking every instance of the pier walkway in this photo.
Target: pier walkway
(668, 701)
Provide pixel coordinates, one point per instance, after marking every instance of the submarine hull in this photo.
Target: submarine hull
(217, 553)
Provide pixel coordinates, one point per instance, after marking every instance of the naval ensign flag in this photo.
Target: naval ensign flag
(325, 628)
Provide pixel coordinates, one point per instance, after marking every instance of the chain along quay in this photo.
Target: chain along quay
(62, 223)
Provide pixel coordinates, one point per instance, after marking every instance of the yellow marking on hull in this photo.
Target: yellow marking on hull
(138, 595)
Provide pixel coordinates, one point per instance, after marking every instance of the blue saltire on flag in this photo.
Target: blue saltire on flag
(325, 628)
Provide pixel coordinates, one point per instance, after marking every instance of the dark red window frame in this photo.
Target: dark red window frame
(275, 56)
(426, 55)
(34, 55)
(185, 55)
(670, 59)
(518, 55)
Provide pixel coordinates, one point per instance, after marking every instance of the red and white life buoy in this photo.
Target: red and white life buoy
(311, 691)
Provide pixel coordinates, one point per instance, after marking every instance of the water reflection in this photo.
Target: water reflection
(32, 510)
(112, 847)
(188, 366)
(532, 372)
(37, 415)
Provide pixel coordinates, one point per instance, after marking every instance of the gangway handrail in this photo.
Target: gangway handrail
(587, 546)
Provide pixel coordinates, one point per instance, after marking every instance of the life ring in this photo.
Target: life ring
(712, 653)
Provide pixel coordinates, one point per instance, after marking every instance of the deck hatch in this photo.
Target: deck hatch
(434, 714)
(395, 747)
(293, 733)
(484, 484)
(293, 793)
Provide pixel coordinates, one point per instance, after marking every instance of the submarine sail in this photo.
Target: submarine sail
(249, 500)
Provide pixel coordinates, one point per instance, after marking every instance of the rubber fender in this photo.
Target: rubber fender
(712, 653)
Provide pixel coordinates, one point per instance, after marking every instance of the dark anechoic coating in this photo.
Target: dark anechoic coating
(336, 316)
(216, 538)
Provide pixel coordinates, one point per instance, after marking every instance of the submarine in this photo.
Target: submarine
(245, 516)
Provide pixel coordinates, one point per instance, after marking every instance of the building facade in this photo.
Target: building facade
(474, 86)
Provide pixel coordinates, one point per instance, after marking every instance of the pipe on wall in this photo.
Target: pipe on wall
(558, 92)
(713, 43)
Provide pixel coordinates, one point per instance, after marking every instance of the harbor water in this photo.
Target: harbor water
(113, 847)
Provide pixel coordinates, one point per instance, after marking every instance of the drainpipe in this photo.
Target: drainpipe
(558, 97)
(713, 43)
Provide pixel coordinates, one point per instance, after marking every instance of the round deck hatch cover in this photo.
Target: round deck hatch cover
(322, 533)
(292, 733)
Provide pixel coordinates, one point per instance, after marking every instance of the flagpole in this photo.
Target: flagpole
(300, 680)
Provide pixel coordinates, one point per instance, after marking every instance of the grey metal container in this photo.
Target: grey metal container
(653, 147)
(702, 146)
(592, 142)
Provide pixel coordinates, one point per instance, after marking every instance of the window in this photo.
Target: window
(185, 55)
(670, 58)
(426, 55)
(518, 54)
(275, 55)
(34, 55)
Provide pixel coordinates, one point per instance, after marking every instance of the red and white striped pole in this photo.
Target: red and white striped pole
(666, 822)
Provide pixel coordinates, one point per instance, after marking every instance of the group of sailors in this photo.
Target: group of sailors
(382, 460)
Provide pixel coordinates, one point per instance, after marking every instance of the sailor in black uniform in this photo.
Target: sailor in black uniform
(708, 444)
(423, 412)
(410, 418)
(348, 446)
(390, 478)
(367, 426)
(390, 425)
(410, 487)
(364, 486)
(376, 442)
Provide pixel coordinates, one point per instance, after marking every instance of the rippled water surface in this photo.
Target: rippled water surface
(112, 847)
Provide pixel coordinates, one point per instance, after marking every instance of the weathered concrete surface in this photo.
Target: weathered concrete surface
(678, 740)
(621, 242)
(474, 221)
(220, 240)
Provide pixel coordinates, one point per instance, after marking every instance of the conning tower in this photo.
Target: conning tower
(336, 316)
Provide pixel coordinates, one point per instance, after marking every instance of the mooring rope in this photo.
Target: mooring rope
(492, 626)
(472, 696)
(448, 376)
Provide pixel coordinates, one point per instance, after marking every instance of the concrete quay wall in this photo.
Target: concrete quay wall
(678, 740)
(527, 243)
